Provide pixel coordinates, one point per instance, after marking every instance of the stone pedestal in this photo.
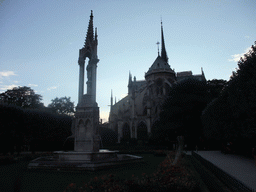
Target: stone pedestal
(87, 137)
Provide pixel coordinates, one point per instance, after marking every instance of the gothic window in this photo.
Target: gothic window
(159, 86)
(126, 132)
(144, 101)
(150, 90)
(142, 131)
(161, 90)
(156, 110)
(167, 89)
(116, 128)
(159, 82)
(145, 111)
(170, 80)
(157, 91)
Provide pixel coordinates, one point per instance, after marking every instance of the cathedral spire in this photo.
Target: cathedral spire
(163, 51)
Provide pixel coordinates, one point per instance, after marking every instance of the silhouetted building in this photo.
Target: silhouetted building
(135, 114)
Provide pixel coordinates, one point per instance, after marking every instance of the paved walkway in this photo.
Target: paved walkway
(241, 168)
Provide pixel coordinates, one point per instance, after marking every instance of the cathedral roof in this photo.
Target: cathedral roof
(161, 62)
(159, 65)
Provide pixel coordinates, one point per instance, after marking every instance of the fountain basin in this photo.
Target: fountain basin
(72, 161)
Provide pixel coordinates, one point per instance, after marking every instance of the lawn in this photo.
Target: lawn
(16, 176)
(155, 171)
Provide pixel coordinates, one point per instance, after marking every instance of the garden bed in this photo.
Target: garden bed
(165, 178)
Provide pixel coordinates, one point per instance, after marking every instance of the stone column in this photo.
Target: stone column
(94, 77)
(81, 80)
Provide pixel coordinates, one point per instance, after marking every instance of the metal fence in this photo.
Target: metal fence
(227, 179)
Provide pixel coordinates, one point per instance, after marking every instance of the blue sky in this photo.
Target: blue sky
(40, 41)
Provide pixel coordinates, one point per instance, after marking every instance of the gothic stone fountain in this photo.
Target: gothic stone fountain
(87, 154)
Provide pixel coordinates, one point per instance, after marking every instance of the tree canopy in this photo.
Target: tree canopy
(24, 97)
(62, 105)
(215, 87)
(182, 110)
(38, 129)
(232, 116)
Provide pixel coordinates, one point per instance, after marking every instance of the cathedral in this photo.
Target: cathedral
(135, 114)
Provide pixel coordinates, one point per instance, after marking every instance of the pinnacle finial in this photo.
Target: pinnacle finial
(130, 79)
(111, 99)
(89, 37)
(96, 35)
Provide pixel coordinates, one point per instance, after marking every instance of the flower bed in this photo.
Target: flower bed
(167, 177)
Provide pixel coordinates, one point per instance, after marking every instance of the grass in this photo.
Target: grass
(16, 176)
(188, 175)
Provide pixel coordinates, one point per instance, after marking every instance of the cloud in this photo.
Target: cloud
(32, 85)
(39, 91)
(7, 73)
(51, 88)
(236, 57)
(6, 87)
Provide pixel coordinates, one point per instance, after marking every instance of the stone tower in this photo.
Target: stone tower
(87, 138)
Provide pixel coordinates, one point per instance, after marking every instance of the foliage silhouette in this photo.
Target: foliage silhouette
(181, 112)
(24, 97)
(232, 116)
(32, 128)
(62, 105)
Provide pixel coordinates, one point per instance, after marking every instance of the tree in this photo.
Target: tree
(232, 116)
(181, 112)
(36, 128)
(62, 105)
(24, 97)
(215, 87)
